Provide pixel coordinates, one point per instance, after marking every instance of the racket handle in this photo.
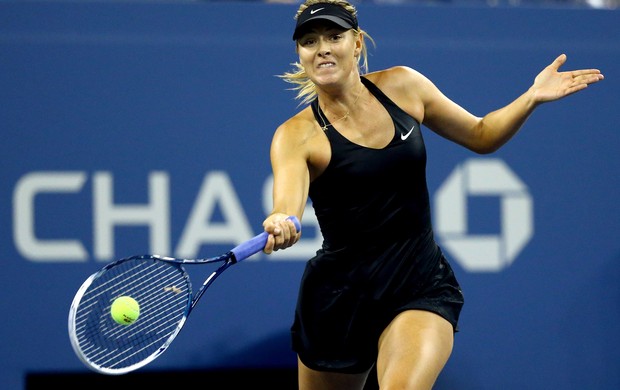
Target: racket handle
(256, 244)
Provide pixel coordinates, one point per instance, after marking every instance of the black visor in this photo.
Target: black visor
(324, 11)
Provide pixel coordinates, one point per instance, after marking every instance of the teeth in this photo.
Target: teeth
(325, 65)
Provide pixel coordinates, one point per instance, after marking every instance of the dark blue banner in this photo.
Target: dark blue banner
(141, 127)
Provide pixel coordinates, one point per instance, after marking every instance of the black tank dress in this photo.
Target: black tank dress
(378, 257)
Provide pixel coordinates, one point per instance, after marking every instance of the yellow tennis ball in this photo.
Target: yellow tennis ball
(125, 310)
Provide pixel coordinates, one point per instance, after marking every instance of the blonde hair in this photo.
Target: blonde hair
(306, 90)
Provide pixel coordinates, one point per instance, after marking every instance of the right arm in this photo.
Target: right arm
(291, 181)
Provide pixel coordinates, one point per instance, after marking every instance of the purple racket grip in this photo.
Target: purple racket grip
(256, 244)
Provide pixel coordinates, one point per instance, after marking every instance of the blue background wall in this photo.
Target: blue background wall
(188, 91)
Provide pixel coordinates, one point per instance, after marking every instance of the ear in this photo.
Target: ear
(358, 45)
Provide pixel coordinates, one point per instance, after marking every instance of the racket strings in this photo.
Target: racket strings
(163, 291)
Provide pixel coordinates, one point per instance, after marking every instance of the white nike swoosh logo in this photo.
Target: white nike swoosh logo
(314, 11)
(405, 136)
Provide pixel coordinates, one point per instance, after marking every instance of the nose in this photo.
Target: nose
(324, 48)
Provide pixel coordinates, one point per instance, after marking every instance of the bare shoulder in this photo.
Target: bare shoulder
(301, 141)
(300, 135)
(405, 86)
(397, 78)
(298, 129)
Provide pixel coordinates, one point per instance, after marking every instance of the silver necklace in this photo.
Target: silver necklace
(345, 116)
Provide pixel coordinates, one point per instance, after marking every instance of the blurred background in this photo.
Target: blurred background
(134, 127)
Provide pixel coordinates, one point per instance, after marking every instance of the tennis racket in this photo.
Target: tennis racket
(163, 290)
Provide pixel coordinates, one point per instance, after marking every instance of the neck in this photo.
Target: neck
(345, 116)
(347, 108)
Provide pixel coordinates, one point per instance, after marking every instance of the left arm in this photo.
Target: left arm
(489, 133)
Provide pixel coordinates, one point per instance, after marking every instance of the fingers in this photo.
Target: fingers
(268, 249)
(285, 234)
(282, 233)
(571, 81)
(586, 72)
(586, 76)
(580, 79)
(559, 61)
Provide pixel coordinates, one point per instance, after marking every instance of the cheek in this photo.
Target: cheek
(305, 58)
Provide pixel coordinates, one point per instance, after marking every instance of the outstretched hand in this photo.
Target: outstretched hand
(551, 84)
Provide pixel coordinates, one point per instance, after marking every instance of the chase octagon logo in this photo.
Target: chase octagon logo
(483, 252)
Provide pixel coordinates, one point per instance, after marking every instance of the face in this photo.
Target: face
(329, 53)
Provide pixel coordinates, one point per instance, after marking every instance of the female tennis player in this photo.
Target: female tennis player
(379, 291)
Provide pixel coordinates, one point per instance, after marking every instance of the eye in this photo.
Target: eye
(307, 41)
(337, 37)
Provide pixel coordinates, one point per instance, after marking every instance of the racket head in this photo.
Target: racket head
(162, 289)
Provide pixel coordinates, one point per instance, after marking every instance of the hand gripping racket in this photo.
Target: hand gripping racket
(163, 290)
